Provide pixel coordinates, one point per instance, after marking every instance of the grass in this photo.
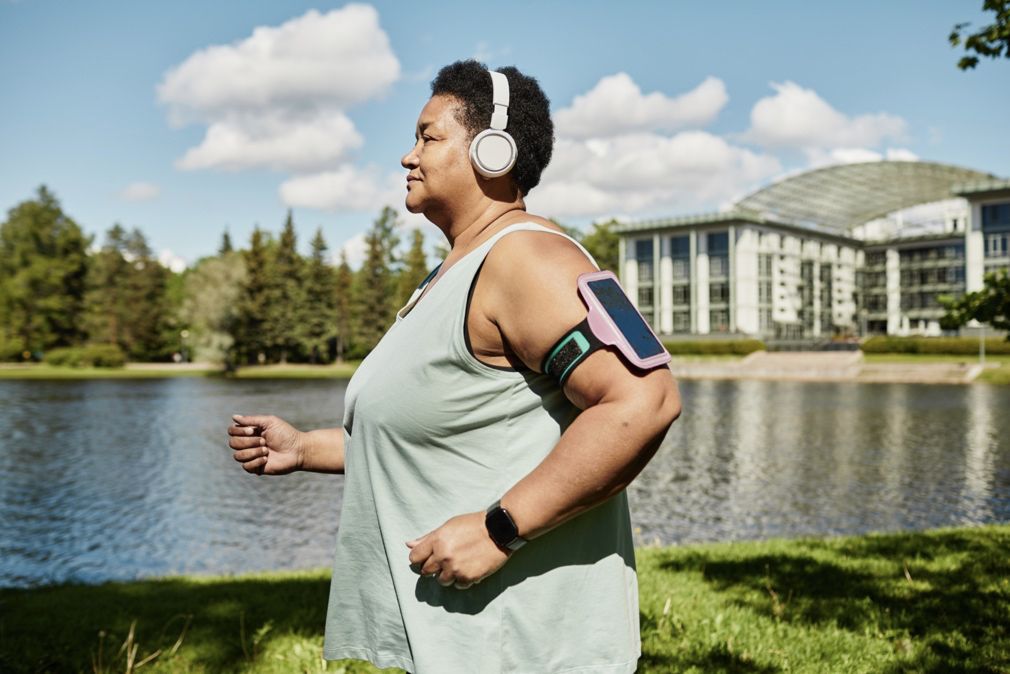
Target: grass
(138, 371)
(917, 602)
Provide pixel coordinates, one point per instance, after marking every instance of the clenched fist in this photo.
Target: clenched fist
(266, 445)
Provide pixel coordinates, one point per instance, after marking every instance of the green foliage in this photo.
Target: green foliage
(343, 306)
(320, 301)
(210, 306)
(250, 338)
(374, 289)
(739, 347)
(225, 246)
(89, 355)
(415, 268)
(965, 346)
(991, 305)
(602, 243)
(992, 41)
(43, 262)
(126, 301)
(285, 296)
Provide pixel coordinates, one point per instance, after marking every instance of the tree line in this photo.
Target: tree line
(264, 303)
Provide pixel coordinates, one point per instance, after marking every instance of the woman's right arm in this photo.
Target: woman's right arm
(268, 445)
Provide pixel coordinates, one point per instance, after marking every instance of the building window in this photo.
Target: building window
(996, 217)
(644, 257)
(681, 321)
(718, 293)
(718, 320)
(681, 294)
(645, 298)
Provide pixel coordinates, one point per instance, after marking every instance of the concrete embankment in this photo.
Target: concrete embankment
(825, 366)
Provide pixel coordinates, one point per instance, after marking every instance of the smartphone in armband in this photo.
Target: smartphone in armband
(612, 321)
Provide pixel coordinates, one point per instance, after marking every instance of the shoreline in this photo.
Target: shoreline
(811, 367)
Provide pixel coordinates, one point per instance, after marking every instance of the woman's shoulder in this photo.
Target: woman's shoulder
(536, 252)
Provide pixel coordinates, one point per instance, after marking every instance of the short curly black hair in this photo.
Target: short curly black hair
(529, 122)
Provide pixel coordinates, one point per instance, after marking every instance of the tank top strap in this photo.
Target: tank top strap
(529, 227)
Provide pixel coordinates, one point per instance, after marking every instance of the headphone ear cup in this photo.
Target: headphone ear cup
(493, 153)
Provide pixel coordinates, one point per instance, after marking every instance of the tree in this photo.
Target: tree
(373, 288)
(212, 304)
(343, 305)
(249, 338)
(225, 247)
(991, 305)
(415, 268)
(602, 244)
(126, 302)
(992, 41)
(286, 312)
(43, 262)
(320, 300)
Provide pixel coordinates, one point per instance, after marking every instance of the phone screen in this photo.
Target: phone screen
(626, 317)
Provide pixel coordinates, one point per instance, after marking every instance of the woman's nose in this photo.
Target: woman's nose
(410, 159)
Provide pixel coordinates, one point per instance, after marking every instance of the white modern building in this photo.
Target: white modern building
(854, 249)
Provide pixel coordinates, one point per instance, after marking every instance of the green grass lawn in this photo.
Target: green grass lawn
(920, 602)
(43, 371)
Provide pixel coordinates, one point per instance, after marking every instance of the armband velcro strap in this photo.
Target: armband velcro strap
(574, 347)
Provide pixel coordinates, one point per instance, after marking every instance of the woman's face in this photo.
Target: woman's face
(438, 165)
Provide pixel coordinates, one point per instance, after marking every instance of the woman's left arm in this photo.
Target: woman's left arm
(532, 297)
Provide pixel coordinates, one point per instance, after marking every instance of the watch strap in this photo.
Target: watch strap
(516, 541)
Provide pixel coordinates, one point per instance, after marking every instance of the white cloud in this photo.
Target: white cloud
(901, 154)
(617, 105)
(275, 140)
(345, 188)
(638, 173)
(172, 261)
(797, 118)
(278, 98)
(139, 191)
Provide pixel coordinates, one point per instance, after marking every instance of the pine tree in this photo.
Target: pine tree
(286, 312)
(43, 263)
(343, 305)
(320, 301)
(225, 247)
(415, 268)
(249, 338)
(374, 289)
(105, 298)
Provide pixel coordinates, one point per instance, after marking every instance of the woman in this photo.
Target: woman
(484, 524)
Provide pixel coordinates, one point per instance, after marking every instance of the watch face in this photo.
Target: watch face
(501, 527)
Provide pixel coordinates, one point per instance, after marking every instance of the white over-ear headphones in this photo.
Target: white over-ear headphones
(492, 151)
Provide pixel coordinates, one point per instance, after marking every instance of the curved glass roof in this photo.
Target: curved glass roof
(844, 196)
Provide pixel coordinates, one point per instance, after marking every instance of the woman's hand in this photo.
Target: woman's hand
(266, 445)
(460, 551)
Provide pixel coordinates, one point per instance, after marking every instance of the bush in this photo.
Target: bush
(959, 346)
(738, 347)
(90, 355)
(10, 351)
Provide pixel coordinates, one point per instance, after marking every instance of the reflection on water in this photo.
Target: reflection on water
(123, 479)
(757, 459)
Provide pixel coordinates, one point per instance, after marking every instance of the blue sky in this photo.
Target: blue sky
(184, 118)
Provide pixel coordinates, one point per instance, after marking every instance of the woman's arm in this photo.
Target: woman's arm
(268, 445)
(532, 299)
(323, 451)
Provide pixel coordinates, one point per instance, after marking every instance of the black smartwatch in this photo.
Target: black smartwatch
(502, 529)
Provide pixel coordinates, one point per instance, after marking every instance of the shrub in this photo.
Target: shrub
(738, 347)
(90, 355)
(960, 346)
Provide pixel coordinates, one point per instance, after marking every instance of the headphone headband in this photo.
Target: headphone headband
(500, 97)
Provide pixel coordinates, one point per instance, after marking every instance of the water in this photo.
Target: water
(126, 479)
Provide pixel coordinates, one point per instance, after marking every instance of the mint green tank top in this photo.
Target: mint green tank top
(431, 432)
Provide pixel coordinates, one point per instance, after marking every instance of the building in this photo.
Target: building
(855, 249)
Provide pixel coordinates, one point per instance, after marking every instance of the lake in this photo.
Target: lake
(122, 479)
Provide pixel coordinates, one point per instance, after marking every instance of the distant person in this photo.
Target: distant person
(488, 439)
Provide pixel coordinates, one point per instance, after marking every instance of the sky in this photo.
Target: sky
(185, 119)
